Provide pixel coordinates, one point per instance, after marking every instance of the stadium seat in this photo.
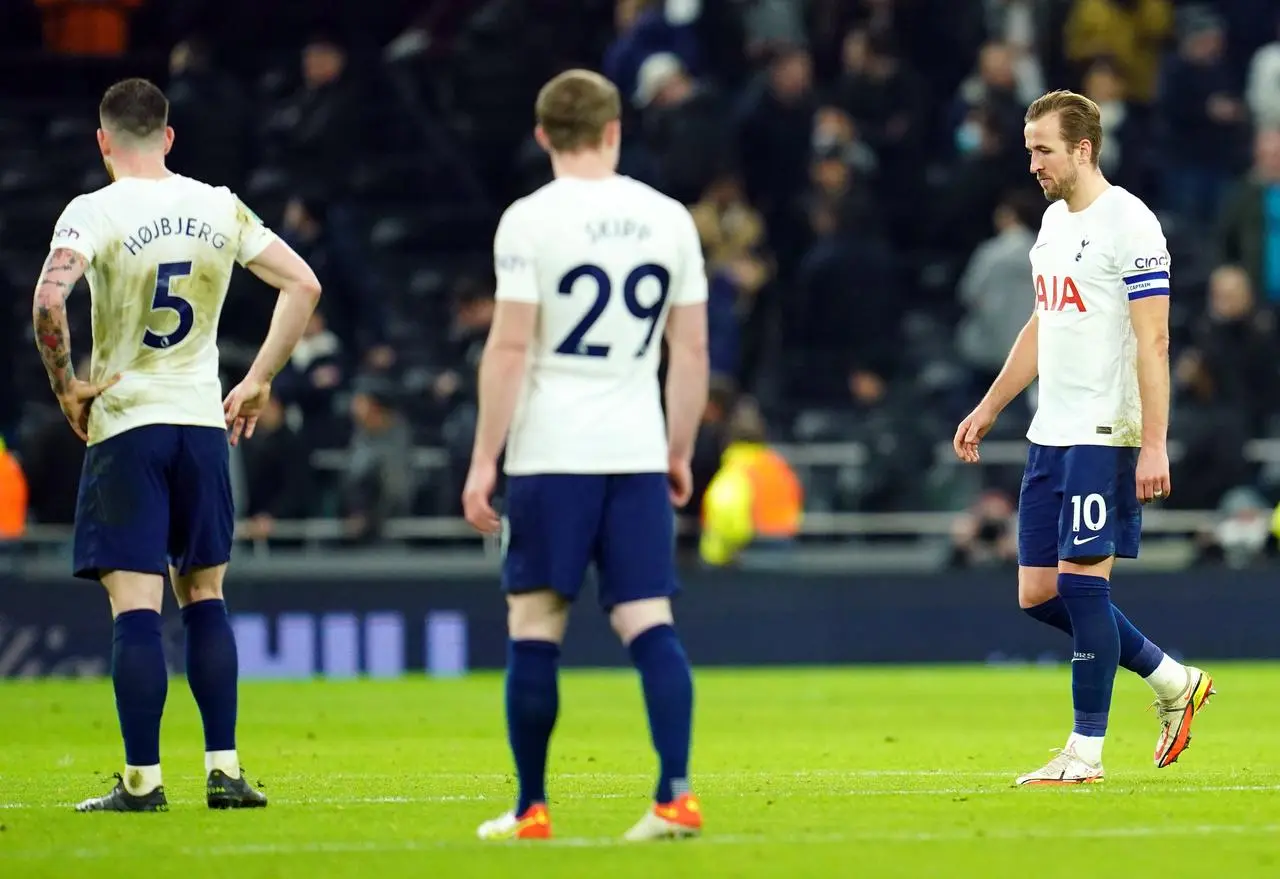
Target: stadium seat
(30, 218)
(431, 230)
(77, 130)
(94, 178)
(275, 84)
(267, 181)
(15, 132)
(25, 173)
(400, 177)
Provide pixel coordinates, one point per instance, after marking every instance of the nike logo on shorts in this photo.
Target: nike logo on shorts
(1078, 542)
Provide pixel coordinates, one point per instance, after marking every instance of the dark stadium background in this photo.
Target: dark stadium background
(848, 161)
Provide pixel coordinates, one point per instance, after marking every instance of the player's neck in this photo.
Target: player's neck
(1090, 185)
(582, 166)
(141, 167)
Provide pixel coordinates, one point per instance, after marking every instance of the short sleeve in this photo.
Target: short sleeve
(78, 229)
(1144, 257)
(513, 258)
(691, 283)
(255, 237)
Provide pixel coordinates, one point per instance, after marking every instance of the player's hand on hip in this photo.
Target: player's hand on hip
(970, 433)
(680, 481)
(482, 478)
(1153, 483)
(243, 406)
(77, 400)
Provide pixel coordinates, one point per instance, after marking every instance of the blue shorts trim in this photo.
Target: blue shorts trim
(155, 496)
(558, 525)
(1078, 502)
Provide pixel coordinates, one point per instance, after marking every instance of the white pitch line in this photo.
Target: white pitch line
(893, 792)
(629, 776)
(269, 848)
(900, 792)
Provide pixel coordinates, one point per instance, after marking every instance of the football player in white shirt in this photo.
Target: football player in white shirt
(1098, 339)
(158, 250)
(594, 270)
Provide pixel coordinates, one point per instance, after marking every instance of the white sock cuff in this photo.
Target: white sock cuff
(226, 761)
(1169, 679)
(139, 780)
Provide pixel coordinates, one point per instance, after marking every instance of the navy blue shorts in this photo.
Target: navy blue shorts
(1078, 502)
(155, 496)
(556, 525)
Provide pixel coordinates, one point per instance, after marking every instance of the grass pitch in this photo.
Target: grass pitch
(868, 772)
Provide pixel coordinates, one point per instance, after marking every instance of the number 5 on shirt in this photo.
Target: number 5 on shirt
(164, 300)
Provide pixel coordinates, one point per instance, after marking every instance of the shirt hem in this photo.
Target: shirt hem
(1091, 441)
(580, 470)
(150, 422)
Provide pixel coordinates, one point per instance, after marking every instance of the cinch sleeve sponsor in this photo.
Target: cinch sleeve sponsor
(255, 237)
(691, 288)
(513, 262)
(76, 229)
(1144, 260)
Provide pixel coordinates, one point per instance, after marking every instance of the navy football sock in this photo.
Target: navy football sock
(1137, 654)
(212, 670)
(668, 696)
(1052, 613)
(1097, 649)
(533, 701)
(141, 682)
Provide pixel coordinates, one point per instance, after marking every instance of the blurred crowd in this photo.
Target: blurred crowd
(856, 171)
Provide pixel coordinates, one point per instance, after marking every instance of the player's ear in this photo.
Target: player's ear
(104, 143)
(168, 139)
(613, 133)
(1085, 150)
(540, 135)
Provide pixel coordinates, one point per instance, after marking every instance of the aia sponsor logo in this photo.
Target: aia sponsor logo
(1058, 294)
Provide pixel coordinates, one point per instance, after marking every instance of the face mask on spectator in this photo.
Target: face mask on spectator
(825, 141)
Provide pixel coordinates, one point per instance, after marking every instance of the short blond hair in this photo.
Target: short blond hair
(1079, 118)
(574, 108)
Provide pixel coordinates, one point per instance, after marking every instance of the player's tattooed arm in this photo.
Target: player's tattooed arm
(62, 270)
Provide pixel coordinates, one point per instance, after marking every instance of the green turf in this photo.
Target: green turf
(857, 772)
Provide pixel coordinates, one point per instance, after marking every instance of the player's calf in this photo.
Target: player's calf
(140, 679)
(212, 673)
(667, 680)
(536, 622)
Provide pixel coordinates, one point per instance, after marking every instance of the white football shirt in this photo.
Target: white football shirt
(160, 258)
(604, 260)
(1087, 267)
